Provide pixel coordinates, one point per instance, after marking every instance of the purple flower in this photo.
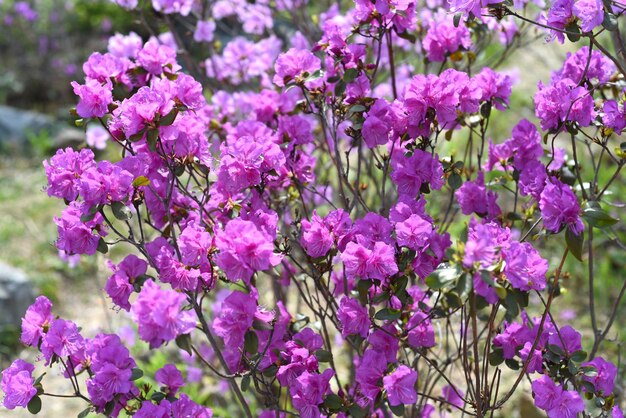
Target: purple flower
(94, 98)
(535, 364)
(204, 31)
(525, 269)
(293, 65)
(159, 315)
(514, 336)
(563, 101)
(567, 338)
(194, 243)
(410, 173)
(414, 232)
(353, 317)
(64, 171)
(559, 207)
(36, 321)
(235, 318)
(474, 198)
(377, 263)
(604, 380)
(400, 386)
(369, 372)
(378, 121)
(17, 384)
(444, 38)
(421, 332)
(63, 340)
(316, 239)
(308, 392)
(385, 341)
(244, 249)
(590, 13)
(170, 377)
(120, 285)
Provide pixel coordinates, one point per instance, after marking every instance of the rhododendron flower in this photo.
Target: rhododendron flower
(316, 238)
(294, 64)
(64, 340)
(400, 386)
(558, 403)
(525, 269)
(590, 13)
(444, 38)
(567, 338)
(353, 317)
(604, 380)
(376, 263)
(17, 384)
(36, 321)
(244, 249)
(474, 198)
(421, 331)
(120, 285)
(559, 207)
(236, 317)
(371, 369)
(170, 377)
(159, 315)
(94, 98)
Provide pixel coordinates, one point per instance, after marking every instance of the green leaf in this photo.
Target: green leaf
(151, 138)
(135, 374)
(121, 211)
(597, 217)
(84, 413)
(350, 75)
(387, 314)
(579, 356)
(261, 325)
(455, 181)
(183, 342)
(141, 181)
(610, 22)
(157, 396)
(333, 402)
(575, 243)
(485, 110)
(251, 342)
(102, 246)
(573, 32)
(245, 383)
(397, 410)
(34, 406)
(408, 36)
(137, 136)
(556, 350)
(86, 217)
(457, 19)
(323, 356)
(356, 411)
(315, 76)
(168, 119)
(496, 357)
(443, 277)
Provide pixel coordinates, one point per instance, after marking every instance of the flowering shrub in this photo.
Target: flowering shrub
(327, 213)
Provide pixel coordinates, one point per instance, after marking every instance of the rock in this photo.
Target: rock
(68, 137)
(16, 295)
(17, 125)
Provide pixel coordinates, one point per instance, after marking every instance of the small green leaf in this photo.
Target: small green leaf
(323, 356)
(397, 410)
(609, 22)
(333, 402)
(350, 75)
(574, 243)
(141, 181)
(157, 396)
(556, 350)
(579, 356)
(136, 373)
(121, 211)
(168, 119)
(457, 19)
(387, 314)
(455, 181)
(151, 138)
(245, 383)
(34, 406)
(597, 217)
(443, 277)
(84, 413)
(251, 342)
(102, 246)
(573, 32)
(408, 36)
(496, 357)
(183, 342)
(357, 412)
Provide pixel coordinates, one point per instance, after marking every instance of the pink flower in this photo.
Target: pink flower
(36, 321)
(94, 98)
(17, 384)
(170, 377)
(400, 386)
(353, 317)
(294, 64)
